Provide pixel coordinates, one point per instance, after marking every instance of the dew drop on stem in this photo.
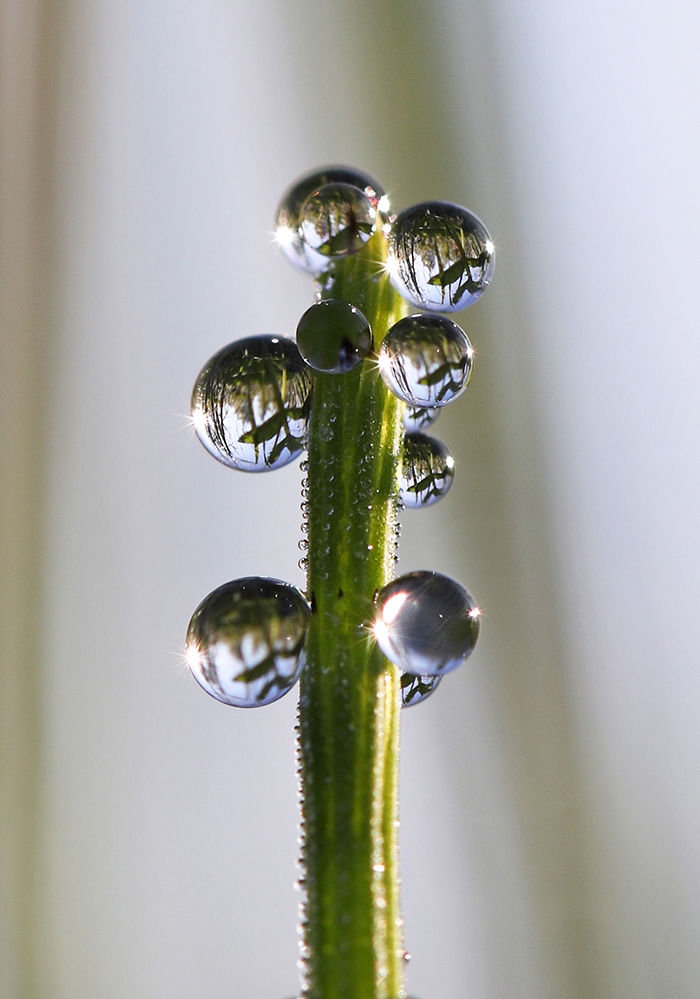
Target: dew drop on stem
(289, 209)
(426, 360)
(416, 689)
(417, 418)
(334, 337)
(250, 403)
(427, 471)
(441, 256)
(426, 623)
(245, 641)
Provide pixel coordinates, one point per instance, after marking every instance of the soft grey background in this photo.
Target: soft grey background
(550, 811)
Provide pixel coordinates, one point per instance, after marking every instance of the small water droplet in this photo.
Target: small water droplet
(288, 211)
(417, 418)
(333, 336)
(245, 642)
(336, 220)
(325, 432)
(441, 256)
(426, 360)
(427, 471)
(427, 624)
(303, 545)
(250, 403)
(415, 689)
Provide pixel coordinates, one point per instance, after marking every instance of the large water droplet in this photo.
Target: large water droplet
(441, 257)
(337, 220)
(415, 689)
(250, 403)
(245, 642)
(427, 471)
(426, 360)
(289, 209)
(426, 623)
(417, 418)
(333, 336)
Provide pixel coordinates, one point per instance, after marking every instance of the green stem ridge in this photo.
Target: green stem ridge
(350, 698)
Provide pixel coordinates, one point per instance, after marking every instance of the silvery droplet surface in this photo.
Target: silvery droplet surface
(415, 689)
(427, 472)
(426, 360)
(426, 623)
(245, 642)
(333, 336)
(337, 220)
(289, 209)
(441, 257)
(250, 403)
(417, 418)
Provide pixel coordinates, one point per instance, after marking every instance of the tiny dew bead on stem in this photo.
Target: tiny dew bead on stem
(362, 643)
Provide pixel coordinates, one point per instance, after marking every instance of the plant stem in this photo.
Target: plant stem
(349, 705)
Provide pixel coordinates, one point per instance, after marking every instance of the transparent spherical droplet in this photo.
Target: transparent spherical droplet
(415, 689)
(333, 336)
(245, 642)
(289, 209)
(417, 418)
(427, 472)
(250, 403)
(337, 220)
(426, 360)
(426, 623)
(441, 257)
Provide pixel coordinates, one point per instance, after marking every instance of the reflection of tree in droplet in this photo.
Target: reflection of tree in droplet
(427, 472)
(250, 403)
(426, 360)
(289, 209)
(337, 220)
(416, 689)
(245, 642)
(441, 256)
(417, 418)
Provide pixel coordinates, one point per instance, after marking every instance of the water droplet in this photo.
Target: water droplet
(245, 642)
(415, 689)
(250, 403)
(336, 221)
(333, 336)
(441, 257)
(417, 418)
(289, 209)
(427, 624)
(426, 360)
(427, 471)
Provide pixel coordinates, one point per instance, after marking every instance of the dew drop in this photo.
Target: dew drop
(426, 623)
(415, 689)
(245, 642)
(427, 471)
(333, 336)
(336, 221)
(289, 209)
(417, 418)
(426, 360)
(250, 403)
(441, 257)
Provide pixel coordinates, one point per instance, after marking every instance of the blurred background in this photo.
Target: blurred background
(550, 790)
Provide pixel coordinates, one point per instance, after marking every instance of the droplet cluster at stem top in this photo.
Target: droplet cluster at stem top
(356, 391)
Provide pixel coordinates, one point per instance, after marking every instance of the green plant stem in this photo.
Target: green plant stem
(349, 705)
